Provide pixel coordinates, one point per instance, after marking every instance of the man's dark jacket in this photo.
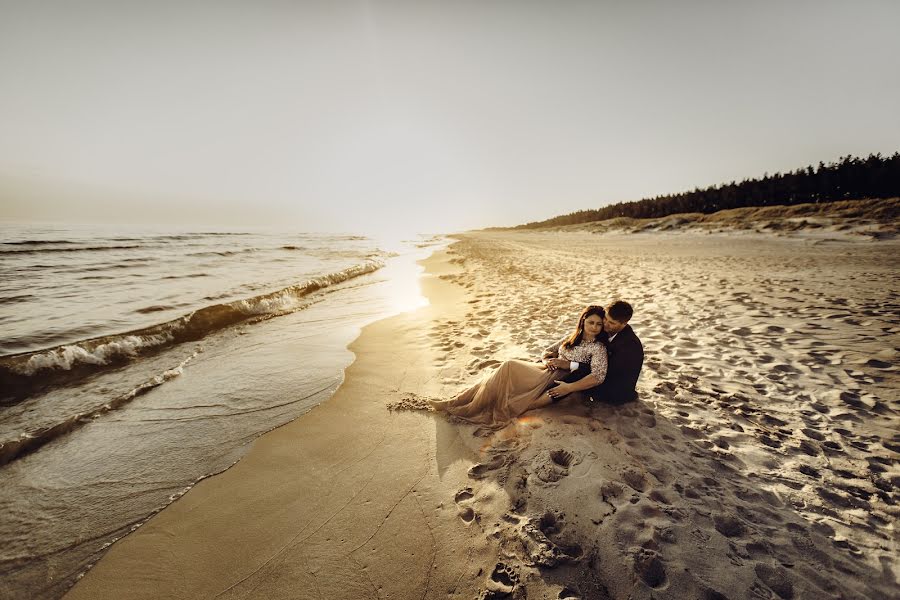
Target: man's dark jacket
(626, 357)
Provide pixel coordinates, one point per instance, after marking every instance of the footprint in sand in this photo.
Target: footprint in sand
(832, 498)
(481, 470)
(809, 471)
(650, 568)
(809, 448)
(769, 440)
(635, 480)
(463, 495)
(803, 541)
(878, 364)
(776, 579)
(556, 468)
(562, 458)
(647, 419)
(729, 525)
(569, 592)
(610, 491)
(820, 408)
(832, 448)
(467, 514)
(659, 497)
(502, 583)
(542, 549)
(665, 534)
(813, 434)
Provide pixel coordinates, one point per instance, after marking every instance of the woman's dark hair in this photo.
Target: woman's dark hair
(577, 336)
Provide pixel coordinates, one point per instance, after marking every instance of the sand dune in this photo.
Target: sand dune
(844, 219)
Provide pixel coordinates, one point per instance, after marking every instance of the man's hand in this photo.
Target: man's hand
(556, 363)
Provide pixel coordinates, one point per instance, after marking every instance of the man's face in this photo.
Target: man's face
(611, 326)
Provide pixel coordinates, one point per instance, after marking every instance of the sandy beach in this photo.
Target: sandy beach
(760, 461)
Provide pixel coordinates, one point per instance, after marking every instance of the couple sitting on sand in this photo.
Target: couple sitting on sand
(601, 358)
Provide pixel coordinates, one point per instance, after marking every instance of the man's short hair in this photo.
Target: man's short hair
(620, 311)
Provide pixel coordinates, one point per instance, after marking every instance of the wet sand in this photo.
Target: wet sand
(761, 460)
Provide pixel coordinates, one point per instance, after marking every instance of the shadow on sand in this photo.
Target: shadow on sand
(620, 502)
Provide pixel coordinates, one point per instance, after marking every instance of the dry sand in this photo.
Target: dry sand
(761, 460)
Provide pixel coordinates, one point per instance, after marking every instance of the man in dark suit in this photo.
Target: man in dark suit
(626, 356)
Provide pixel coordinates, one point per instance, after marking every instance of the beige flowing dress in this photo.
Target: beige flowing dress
(516, 385)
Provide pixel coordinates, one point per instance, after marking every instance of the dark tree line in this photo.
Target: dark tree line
(848, 178)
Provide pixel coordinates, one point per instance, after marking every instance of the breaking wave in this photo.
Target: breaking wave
(66, 249)
(23, 375)
(32, 440)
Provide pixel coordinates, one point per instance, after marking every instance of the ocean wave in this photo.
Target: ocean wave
(223, 252)
(38, 242)
(153, 309)
(23, 375)
(218, 233)
(188, 276)
(15, 299)
(186, 236)
(102, 267)
(67, 249)
(65, 357)
(30, 441)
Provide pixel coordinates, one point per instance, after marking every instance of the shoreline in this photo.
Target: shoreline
(336, 450)
(758, 461)
(74, 498)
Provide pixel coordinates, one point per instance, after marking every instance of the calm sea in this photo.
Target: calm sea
(135, 362)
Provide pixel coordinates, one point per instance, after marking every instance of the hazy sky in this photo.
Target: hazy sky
(422, 115)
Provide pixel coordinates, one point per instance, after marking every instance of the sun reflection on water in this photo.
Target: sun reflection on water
(403, 271)
(405, 292)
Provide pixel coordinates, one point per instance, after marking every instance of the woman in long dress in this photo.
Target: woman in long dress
(518, 386)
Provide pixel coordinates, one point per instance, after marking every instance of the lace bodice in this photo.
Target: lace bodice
(585, 352)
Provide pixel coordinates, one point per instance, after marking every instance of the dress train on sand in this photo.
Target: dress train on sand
(502, 395)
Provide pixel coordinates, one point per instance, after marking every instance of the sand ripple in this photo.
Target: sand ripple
(762, 457)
